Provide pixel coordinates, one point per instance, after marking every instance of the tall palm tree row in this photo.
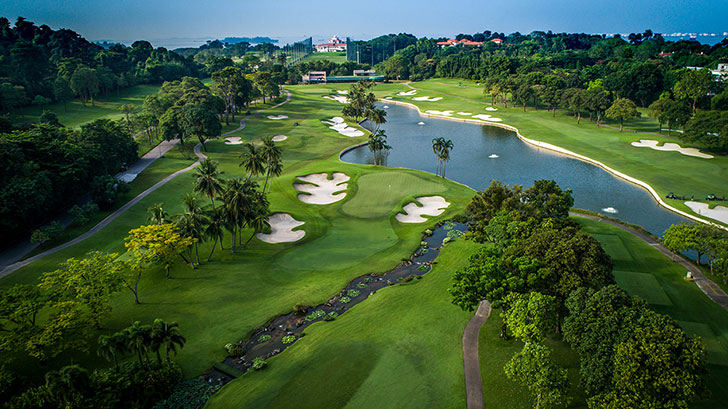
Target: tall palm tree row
(142, 339)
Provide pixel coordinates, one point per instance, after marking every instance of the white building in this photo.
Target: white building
(334, 45)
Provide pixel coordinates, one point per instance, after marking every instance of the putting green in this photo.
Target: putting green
(643, 285)
(381, 194)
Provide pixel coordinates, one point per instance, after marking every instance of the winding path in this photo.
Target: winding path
(103, 223)
(473, 382)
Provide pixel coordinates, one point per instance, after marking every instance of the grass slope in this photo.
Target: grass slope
(656, 278)
(335, 57)
(664, 171)
(223, 300)
(74, 114)
(401, 348)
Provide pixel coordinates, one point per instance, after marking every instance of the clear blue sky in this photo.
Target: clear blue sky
(124, 20)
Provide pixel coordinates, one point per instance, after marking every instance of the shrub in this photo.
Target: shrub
(289, 339)
(78, 215)
(448, 226)
(315, 315)
(264, 338)
(454, 234)
(368, 280)
(422, 268)
(331, 316)
(300, 309)
(446, 240)
(428, 232)
(423, 244)
(424, 251)
(234, 349)
(259, 363)
(345, 299)
(361, 285)
(408, 279)
(39, 236)
(353, 293)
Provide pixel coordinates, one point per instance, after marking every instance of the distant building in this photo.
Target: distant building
(334, 45)
(721, 72)
(314, 77)
(453, 42)
(498, 41)
(663, 55)
(319, 77)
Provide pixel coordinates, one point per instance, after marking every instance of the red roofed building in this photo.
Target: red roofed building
(334, 45)
(665, 54)
(497, 41)
(452, 42)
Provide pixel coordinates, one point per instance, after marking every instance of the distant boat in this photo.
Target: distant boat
(610, 210)
(420, 123)
(493, 156)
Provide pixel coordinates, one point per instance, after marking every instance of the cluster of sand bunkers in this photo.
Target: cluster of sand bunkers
(319, 189)
(238, 140)
(449, 114)
(338, 124)
(671, 147)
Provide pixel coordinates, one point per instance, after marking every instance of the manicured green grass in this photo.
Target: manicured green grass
(74, 114)
(380, 193)
(335, 57)
(664, 171)
(694, 311)
(226, 298)
(401, 348)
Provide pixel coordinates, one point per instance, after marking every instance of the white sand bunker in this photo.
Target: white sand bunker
(610, 210)
(387, 97)
(320, 189)
(338, 98)
(719, 213)
(431, 99)
(281, 229)
(279, 138)
(233, 140)
(342, 91)
(652, 144)
(465, 113)
(337, 124)
(491, 109)
(277, 117)
(431, 206)
(486, 117)
(404, 94)
(446, 113)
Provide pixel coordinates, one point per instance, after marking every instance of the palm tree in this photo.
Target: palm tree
(378, 145)
(437, 144)
(253, 160)
(110, 347)
(138, 338)
(193, 221)
(207, 180)
(237, 201)
(271, 153)
(275, 169)
(214, 228)
(375, 116)
(445, 154)
(167, 335)
(157, 214)
(258, 218)
(69, 385)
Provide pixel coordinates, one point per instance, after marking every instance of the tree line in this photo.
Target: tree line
(48, 168)
(588, 74)
(39, 65)
(548, 277)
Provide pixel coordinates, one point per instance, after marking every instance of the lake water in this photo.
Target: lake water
(517, 163)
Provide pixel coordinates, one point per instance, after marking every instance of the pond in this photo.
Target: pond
(473, 162)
